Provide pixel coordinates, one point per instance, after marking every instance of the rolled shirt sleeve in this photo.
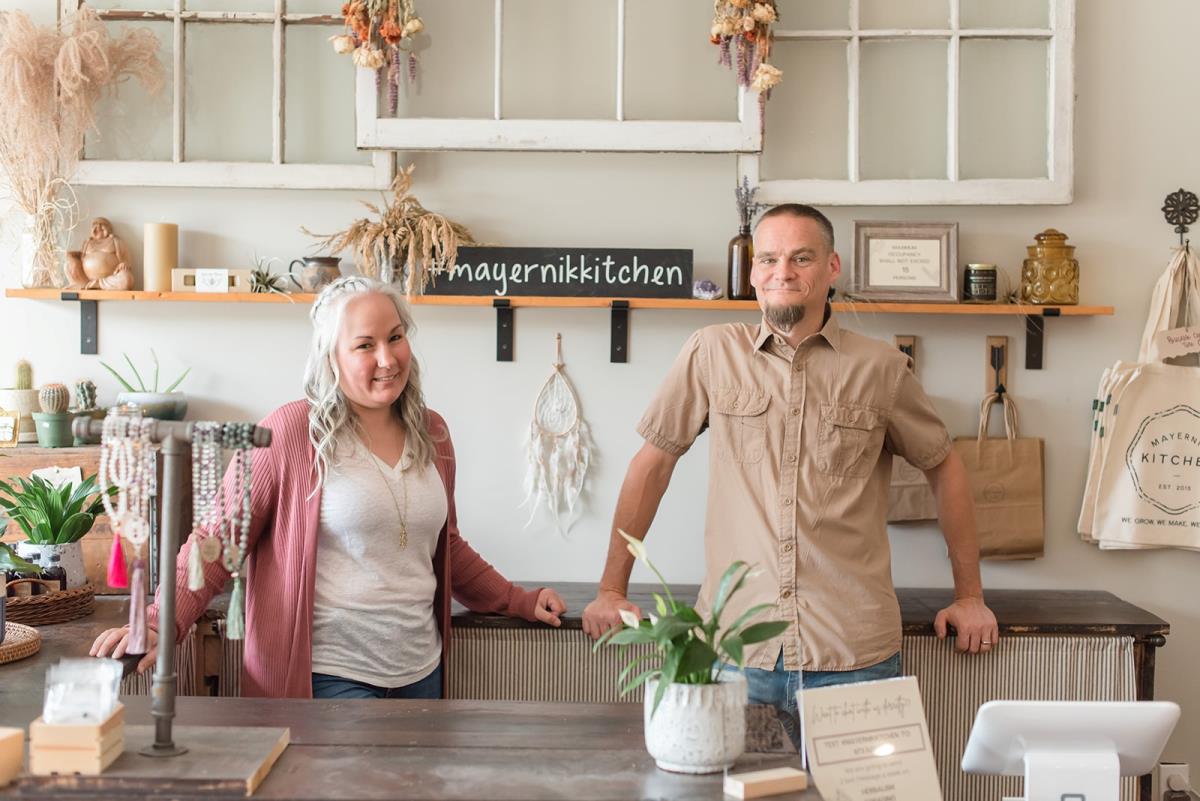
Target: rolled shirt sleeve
(915, 431)
(679, 411)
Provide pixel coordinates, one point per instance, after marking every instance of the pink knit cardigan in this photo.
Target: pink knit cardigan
(282, 562)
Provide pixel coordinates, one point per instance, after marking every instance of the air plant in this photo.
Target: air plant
(141, 387)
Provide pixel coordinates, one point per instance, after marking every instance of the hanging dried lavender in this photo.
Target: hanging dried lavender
(394, 82)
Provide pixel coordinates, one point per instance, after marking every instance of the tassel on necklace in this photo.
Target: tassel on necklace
(117, 577)
(195, 567)
(137, 609)
(234, 618)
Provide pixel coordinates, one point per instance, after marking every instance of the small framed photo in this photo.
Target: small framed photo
(10, 428)
(905, 261)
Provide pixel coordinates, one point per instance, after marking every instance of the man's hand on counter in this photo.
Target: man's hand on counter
(604, 613)
(549, 606)
(974, 624)
(114, 641)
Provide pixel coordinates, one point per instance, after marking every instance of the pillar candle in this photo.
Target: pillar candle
(160, 256)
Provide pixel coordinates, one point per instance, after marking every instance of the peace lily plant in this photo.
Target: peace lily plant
(703, 729)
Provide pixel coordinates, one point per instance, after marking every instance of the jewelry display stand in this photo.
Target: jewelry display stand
(210, 760)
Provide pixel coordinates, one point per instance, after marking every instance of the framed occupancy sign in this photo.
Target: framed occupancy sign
(10, 428)
(912, 262)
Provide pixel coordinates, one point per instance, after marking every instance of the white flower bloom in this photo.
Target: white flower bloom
(342, 44)
(765, 77)
(728, 27)
(748, 23)
(763, 13)
(653, 619)
(369, 58)
(635, 546)
(629, 618)
(414, 26)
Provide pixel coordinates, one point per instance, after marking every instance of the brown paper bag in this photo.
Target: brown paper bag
(909, 497)
(1006, 475)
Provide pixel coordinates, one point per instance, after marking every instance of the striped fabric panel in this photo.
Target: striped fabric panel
(535, 665)
(186, 670)
(1026, 668)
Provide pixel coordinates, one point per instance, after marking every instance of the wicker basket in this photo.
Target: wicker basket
(19, 642)
(52, 607)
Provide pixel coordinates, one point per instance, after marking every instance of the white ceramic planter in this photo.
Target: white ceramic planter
(69, 557)
(24, 402)
(698, 728)
(159, 405)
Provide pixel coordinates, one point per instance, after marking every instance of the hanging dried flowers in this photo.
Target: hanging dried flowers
(379, 34)
(407, 243)
(741, 29)
(51, 80)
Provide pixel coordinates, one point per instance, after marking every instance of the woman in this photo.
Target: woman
(354, 547)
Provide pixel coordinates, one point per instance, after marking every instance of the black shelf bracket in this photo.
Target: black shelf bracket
(504, 329)
(1035, 336)
(619, 349)
(89, 323)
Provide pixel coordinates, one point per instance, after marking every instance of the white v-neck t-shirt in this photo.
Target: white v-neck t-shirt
(373, 616)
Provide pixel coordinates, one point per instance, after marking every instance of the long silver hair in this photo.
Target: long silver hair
(329, 413)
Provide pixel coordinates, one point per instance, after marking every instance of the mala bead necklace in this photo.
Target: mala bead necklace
(127, 462)
(239, 437)
(208, 501)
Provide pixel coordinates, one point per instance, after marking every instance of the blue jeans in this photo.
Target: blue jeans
(326, 686)
(778, 687)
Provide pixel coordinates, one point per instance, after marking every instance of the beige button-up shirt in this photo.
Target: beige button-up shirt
(799, 467)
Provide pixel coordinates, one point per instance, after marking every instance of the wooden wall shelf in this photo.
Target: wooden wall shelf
(1034, 315)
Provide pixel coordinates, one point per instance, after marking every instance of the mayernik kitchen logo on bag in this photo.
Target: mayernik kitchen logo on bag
(1164, 462)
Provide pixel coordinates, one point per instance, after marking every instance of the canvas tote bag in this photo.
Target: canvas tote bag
(1006, 475)
(1147, 491)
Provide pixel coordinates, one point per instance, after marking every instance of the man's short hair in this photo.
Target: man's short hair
(801, 210)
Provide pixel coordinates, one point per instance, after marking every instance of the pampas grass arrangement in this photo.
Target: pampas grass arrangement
(406, 233)
(51, 80)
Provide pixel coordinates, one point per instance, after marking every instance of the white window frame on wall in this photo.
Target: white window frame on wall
(180, 171)
(1057, 187)
(603, 135)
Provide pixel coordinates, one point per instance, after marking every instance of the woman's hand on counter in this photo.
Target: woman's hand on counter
(549, 606)
(604, 613)
(114, 641)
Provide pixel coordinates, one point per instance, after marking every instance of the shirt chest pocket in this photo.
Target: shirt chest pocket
(739, 424)
(851, 438)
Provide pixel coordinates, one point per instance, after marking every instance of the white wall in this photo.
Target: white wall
(1136, 114)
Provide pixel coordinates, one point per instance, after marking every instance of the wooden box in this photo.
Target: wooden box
(12, 753)
(84, 748)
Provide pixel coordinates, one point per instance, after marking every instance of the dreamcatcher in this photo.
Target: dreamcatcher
(559, 449)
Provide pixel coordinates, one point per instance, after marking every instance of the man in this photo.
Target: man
(804, 419)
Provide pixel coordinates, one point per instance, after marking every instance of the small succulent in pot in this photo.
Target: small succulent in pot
(85, 396)
(24, 375)
(54, 398)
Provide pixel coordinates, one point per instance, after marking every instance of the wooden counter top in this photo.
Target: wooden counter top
(1017, 611)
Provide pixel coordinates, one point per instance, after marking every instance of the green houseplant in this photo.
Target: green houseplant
(165, 405)
(694, 709)
(54, 520)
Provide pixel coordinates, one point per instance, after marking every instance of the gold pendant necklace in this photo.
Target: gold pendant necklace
(400, 515)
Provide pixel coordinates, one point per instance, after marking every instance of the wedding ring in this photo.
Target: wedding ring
(985, 642)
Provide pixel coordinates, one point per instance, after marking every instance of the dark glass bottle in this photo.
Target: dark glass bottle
(741, 255)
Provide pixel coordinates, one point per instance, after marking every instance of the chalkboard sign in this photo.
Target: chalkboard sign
(567, 272)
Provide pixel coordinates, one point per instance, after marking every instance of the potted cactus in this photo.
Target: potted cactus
(85, 406)
(53, 422)
(23, 399)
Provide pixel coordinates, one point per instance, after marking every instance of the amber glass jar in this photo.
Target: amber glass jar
(1051, 274)
(741, 256)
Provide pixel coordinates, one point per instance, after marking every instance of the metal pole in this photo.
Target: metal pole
(162, 706)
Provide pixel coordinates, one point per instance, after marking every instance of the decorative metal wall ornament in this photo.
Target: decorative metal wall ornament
(559, 449)
(1181, 209)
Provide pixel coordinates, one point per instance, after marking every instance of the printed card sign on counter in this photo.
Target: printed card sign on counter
(567, 272)
(869, 741)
